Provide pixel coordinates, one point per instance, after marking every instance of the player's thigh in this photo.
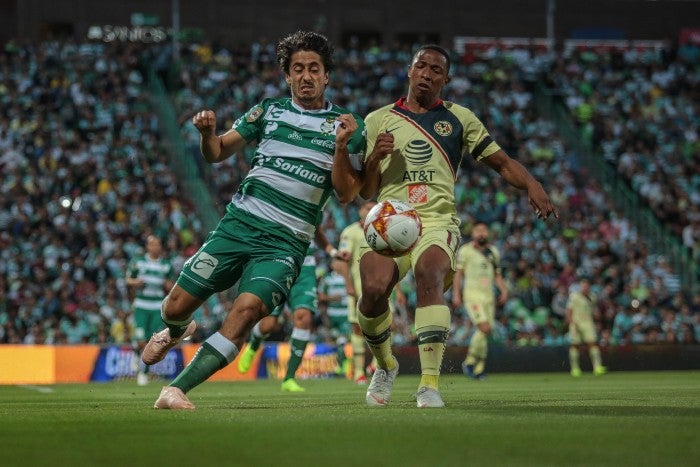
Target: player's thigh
(379, 274)
(141, 325)
(304, 293)
(476, 310)
(269, 279)
(446, 238)
(216, 266)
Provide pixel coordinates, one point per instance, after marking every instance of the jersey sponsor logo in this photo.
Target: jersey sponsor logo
(288, 261)
(328, 127)
(298, 169)
(204, 264)
(276, 299)
(418, 152)
(295, 136)
(269, 128)
(443, 128)
(418, 176)
(324, 143)
(254, 114)
(417, 194)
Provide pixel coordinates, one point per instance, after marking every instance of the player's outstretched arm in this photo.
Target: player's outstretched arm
(346, 180)
(518, 176)
(216, 148)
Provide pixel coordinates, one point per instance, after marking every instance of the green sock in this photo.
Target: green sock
(377, 333)
(297, 344)
(214, 354)
(594, 352)
(177, 328)
(340, 353)
(256, 337)
(573, 358)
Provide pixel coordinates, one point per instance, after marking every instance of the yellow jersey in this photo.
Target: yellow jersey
(480, 267)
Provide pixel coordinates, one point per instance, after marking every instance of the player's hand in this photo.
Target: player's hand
(351, 291)
(502, 299)
(383, 146)
(343, 255)
(205, 122)
(540, 202)
(346, 126)
(456, 301)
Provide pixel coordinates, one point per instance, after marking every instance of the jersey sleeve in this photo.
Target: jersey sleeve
(250, 124)
(496, 261)
(372, 123)
(476, 138)
(461, 258)
(358, 144)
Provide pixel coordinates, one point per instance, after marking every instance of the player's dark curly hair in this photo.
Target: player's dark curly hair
(437, 49)
(305, 40)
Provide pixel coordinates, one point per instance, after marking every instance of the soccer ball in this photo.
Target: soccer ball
(392, 228)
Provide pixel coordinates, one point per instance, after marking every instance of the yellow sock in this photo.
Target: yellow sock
(477, 348)
(358, 355)
(377, 333)
(573, 358)
(432, 326)
(432, 381)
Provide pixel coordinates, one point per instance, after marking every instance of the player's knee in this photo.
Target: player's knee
(373, 292)
(302, 318)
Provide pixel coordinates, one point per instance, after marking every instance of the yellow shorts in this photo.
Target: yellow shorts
(480, 311)
(445, 237)
(582, 333)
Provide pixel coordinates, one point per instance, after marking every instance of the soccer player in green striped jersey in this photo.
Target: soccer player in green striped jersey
(414, 148)
(150, 278)
(262, 239)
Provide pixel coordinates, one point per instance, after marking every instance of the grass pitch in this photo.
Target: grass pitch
(636, 419)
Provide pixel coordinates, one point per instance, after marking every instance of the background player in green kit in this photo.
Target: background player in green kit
(262, 239)
(352, 240)
(303, 301)
(150, 278)
(414, 149)
(333, 295)
(478, 273)
(580, 309)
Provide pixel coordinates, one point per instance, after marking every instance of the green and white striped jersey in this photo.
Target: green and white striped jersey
(154, 274)
(333, 284)
(290, 179)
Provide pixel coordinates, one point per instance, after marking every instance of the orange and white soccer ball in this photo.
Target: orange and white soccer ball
(393, 228)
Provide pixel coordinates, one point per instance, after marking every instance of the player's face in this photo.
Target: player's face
(427, 75)
(307, 79)
(480, 234)
(153, 247)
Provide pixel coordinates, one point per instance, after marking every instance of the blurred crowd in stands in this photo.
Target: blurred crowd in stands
(86, 176)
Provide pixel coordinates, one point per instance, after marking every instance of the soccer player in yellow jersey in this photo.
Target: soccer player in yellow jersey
(414, 148)
(478, 271)
(580, 309)
(352, 240)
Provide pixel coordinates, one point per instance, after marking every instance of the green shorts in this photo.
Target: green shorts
(340, 326)
(146, 323)
(266, 264)
(304, 292)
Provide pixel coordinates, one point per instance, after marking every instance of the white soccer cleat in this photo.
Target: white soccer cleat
(174, 399)
(429, 398)
(141, 378)
(160, 343)
(379, 390)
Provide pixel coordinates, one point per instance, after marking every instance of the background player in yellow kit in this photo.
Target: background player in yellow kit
(478, 271)
(580, 309)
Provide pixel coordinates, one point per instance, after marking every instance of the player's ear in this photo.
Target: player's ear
(288, 79)
(447, 79)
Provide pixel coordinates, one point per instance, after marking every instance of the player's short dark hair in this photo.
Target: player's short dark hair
(437, 49)
(305, 40)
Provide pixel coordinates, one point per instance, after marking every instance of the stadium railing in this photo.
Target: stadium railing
(184, 167)
(660, 238)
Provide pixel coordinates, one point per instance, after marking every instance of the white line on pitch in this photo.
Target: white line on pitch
(31, 387)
